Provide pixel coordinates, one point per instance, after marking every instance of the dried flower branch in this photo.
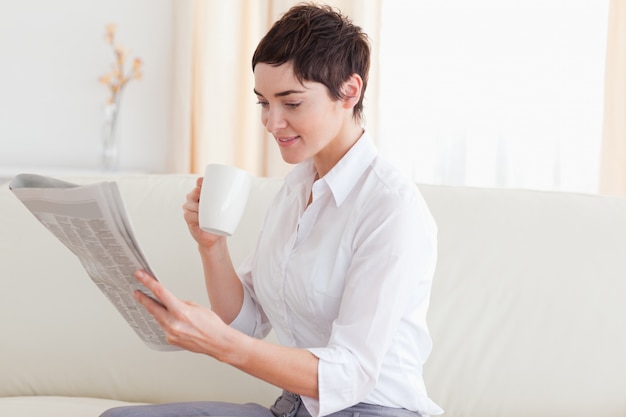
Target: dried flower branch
(118, 77)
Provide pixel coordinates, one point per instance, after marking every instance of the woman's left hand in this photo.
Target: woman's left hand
(186, 324)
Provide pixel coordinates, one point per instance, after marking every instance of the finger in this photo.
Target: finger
(190, 214)
(192, 200)
(156, 309)
(162, 294)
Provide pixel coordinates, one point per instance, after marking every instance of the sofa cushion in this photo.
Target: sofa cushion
(56, 406)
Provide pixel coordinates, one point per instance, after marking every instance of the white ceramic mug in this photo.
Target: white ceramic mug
(223, 198)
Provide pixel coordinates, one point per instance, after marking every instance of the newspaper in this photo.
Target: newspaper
(91, 221)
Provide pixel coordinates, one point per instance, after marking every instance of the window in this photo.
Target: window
(492, 92)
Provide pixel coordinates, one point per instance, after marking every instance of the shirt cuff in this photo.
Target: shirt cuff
(336, 382)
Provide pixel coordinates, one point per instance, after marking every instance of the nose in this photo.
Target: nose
(274, 120)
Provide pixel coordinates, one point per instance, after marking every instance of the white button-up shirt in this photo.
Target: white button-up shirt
(348, 277)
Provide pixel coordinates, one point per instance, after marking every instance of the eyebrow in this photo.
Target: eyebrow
(282, 93)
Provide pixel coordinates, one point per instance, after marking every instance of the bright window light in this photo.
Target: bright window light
(497, 93)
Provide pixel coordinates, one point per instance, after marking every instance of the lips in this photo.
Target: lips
(287, 140)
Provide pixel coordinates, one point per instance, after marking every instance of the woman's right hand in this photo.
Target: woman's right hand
(190, 213)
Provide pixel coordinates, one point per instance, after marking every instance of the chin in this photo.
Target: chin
(292, 158)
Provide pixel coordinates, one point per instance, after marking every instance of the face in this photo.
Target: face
(304, 120)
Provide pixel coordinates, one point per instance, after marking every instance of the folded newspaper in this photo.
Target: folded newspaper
(91, 221)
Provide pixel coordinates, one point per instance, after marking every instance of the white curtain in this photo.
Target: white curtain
(481, 93)
(493, 93)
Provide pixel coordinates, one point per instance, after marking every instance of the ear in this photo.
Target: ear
(352, 91)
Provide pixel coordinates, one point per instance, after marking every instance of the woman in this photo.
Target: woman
(343, 268)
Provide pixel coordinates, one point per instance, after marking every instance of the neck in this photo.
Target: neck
(328, 158)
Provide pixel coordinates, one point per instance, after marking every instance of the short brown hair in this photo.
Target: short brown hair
(322, 45)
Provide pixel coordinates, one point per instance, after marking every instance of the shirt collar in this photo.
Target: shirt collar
(342, 178)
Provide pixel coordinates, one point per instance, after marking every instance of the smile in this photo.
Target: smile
(286, 140)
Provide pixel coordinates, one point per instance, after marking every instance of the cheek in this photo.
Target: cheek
(317, 117)
(303, 121)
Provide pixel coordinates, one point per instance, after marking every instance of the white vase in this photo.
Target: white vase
(110, 145)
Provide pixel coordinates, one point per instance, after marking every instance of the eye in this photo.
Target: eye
(293, 105)
(263, 103)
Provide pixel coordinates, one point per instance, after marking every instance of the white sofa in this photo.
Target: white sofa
(528, 310)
